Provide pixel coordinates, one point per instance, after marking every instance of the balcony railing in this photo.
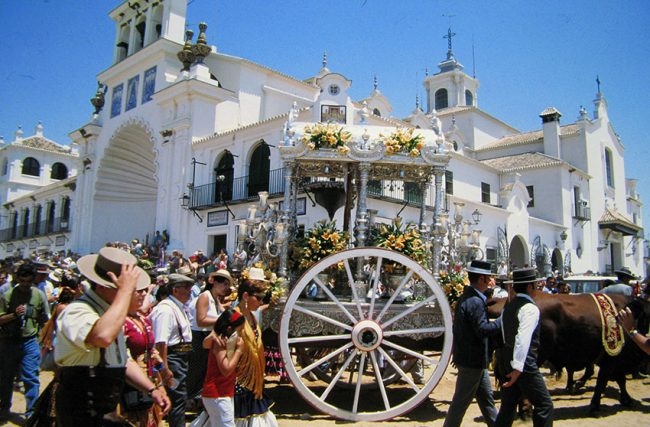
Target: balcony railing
(42, 228)
(240, 190)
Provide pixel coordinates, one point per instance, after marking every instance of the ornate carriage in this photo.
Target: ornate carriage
(355, 352)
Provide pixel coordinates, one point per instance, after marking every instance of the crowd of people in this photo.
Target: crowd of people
(130, 346)
(136, 346)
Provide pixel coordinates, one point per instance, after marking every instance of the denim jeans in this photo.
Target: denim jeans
(471, 383)
(15, 354)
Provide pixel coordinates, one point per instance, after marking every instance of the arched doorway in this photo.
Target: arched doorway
(225, 169)
(258, 173)
(557, 263)
(518, 253)
(126, 189)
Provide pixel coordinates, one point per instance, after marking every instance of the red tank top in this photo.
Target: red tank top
(216, 384)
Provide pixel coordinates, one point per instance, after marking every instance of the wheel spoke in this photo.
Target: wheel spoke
(357, 390)
(374, 285)
(327, 319)
(323, 359)
(403, 375)
(380, 380)
(355, 297)
(316, 339)
(408, 311)
(395, 294)
(434, 330)
(338, 375)
(410, 352)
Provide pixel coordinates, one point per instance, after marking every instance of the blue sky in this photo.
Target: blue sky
(527, 55)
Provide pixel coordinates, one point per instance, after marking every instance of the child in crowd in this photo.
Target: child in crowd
(219, 385)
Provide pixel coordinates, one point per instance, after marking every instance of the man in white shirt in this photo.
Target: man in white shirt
(173, 335)
(517, 359)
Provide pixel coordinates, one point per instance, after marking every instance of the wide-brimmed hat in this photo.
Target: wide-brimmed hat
(624, 272)
(176, 279)
(523, 276)
(56, 275)
(255, 273)
(480, 267)
(95, 267)
(184, 270)
(223, 273)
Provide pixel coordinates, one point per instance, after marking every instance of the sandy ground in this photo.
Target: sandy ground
(291, 409)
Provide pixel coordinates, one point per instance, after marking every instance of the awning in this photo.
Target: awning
(616, 221)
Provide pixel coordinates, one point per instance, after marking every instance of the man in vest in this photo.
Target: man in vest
(471, 331)
(23, 310)
(517, 359)
(173, 335)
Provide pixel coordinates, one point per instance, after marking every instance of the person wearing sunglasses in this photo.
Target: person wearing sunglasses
(251, 403)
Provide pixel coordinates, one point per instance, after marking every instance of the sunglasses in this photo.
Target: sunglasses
(258, 296)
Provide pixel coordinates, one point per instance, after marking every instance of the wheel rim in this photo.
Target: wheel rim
(360, 346)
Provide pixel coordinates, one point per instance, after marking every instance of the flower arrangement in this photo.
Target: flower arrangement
(453, 283)
(404, 238)
(276, 289)
(327, 135)
(403, 141)
(320, 241)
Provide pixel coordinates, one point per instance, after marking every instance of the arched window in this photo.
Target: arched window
(65, 214)
(442, 100)
(59, 171)
(376, 112)
(38, 212)
(258, 174)
(25, 224)
(31, 167)
(5, 166)
(469, 98)
(609, 167)
(49, 224)
(223, 187)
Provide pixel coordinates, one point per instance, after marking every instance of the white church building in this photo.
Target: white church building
(185, 137)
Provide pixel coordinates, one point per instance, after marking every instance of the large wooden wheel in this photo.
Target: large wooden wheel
(360, 355)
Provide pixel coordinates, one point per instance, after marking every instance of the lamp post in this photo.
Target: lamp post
(460, 243)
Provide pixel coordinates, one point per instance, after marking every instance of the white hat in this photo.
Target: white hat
(255, 273)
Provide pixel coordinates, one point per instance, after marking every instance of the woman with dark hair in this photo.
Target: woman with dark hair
(219, 384)
(252, 406)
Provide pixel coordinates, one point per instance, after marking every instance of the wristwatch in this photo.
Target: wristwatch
(633, 332)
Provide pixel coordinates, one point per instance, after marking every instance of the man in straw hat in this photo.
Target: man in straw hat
(517, 359)
(622, 287)
(91, 349)
(173, 335)
(471, 331)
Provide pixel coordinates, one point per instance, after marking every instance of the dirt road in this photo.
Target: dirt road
(291, 409)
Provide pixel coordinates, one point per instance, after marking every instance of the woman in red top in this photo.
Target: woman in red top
(140, 341)
(219, 384)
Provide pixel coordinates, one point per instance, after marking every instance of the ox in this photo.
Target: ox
(571, 338)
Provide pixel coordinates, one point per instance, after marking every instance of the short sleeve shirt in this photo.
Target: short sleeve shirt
(73, 326)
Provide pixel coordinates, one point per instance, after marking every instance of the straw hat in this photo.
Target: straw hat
(95, 267)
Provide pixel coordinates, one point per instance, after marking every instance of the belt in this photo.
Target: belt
(184, 347)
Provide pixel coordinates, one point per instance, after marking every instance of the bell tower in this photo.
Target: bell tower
(451, 86)
(141, 22)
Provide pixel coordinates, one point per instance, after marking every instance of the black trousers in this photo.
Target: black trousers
(535, 388)
(178, 362)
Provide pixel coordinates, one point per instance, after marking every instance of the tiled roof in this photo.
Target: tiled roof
(527, 138)
(42, 143)
(613, 219)
(521, 162)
